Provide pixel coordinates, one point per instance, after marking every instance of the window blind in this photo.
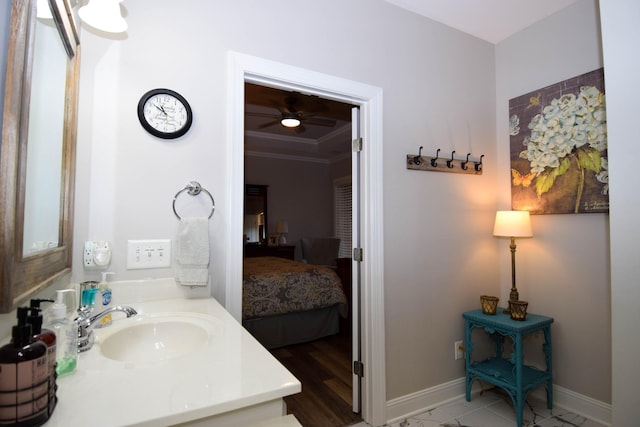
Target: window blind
(342, 202)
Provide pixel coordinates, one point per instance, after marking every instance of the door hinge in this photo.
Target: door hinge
(358, 254)
(356, 145)
(358, 368)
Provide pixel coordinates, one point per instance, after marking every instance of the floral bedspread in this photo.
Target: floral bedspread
(276, 286)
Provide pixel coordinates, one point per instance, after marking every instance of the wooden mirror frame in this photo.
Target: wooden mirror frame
(22, 276)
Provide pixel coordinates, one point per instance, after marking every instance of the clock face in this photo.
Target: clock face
(164, 113)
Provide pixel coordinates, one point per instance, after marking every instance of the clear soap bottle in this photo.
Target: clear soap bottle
(67, 333)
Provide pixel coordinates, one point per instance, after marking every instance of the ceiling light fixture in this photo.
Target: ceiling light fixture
(43, 11)
(104, 15)
(290, 120)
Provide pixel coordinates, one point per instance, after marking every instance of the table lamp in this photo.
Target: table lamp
(282, 228)
(512, 224)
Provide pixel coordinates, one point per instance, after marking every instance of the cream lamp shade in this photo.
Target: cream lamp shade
(103, 15)
(512, 224)
(282, 227)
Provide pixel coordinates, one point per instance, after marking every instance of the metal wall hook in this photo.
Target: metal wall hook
(434, 162)
(450, 162)
(417, 160)
(478, 165)
(463, 164)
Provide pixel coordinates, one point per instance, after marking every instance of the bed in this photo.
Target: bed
(287, 302)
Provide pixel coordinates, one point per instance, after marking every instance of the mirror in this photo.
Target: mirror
(44, 153)
(255, 213)
(37, 156)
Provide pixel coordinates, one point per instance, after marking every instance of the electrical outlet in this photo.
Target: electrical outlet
(96, 255)
(458, 350)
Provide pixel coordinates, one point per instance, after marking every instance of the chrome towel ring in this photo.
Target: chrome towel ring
(193, 188)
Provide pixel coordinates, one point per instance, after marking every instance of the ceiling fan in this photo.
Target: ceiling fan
(293, 115)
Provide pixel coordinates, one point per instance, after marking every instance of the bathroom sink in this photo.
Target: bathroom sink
(157, 339)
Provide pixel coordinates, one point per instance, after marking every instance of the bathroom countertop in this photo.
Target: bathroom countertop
(232, 371)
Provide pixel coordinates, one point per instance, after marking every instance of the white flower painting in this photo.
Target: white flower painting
(558, 142)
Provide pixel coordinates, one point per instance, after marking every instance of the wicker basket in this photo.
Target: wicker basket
(489, 304)
(518, 309)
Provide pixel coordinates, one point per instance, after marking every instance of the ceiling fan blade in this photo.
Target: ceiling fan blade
(283, 109)
(319, 121)
(266, 115)
(266, 125)
(299, 129)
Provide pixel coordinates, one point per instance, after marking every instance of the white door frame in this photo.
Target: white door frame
(257, 70)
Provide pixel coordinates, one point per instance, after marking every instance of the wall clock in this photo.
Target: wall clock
(164, 113)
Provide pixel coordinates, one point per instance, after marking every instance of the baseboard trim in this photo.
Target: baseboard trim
(578, 403)
(406, 406)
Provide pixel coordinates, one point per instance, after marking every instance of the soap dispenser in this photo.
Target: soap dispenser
(48, 337)
(87, 298)
(104, 300)
(67, 333)
(42, 334)
(24, 381)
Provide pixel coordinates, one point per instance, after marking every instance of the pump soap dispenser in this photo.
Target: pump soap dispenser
(104, 300)
(24, 380)
(67, 333)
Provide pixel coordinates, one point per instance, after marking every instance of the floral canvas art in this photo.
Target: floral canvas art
(558, 147)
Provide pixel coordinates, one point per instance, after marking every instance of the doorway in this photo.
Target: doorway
(305, 171)
(244, 68)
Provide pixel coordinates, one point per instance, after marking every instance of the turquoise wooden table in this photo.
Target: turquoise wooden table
(509, 373)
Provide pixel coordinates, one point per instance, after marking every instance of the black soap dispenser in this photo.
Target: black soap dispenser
(24, 376)
(48, 337)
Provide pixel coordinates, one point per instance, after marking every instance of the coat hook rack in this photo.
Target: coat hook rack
(417, 160)
(434, 160)
(452, 165)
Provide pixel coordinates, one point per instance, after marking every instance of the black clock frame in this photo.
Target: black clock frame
(153, 131)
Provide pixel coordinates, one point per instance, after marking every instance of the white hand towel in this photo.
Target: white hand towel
(193, 252)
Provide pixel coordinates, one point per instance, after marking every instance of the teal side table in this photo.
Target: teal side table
(510, 374)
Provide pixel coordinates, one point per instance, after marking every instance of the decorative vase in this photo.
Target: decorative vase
(518, 309)
(489, 304)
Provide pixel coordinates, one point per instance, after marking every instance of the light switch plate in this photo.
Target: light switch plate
(148, 254)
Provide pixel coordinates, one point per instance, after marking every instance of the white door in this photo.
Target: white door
(356, 356)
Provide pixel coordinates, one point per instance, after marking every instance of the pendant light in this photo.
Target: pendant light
(103, 15)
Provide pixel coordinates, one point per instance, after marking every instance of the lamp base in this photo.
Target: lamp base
(282, 240)
(514, 295)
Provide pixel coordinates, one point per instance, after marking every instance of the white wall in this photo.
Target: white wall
(620, 31)
(563, 271)
(439, 92)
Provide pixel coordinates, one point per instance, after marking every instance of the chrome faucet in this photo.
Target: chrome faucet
(85, 323)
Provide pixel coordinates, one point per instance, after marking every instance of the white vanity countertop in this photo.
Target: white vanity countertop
(230, 372)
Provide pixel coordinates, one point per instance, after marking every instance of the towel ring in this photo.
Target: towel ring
(193, 188)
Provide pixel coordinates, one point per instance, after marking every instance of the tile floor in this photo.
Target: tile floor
(493, 409)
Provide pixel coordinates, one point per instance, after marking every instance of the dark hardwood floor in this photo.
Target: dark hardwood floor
(324, 369)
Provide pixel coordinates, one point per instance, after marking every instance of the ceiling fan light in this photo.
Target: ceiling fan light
(290, 122)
